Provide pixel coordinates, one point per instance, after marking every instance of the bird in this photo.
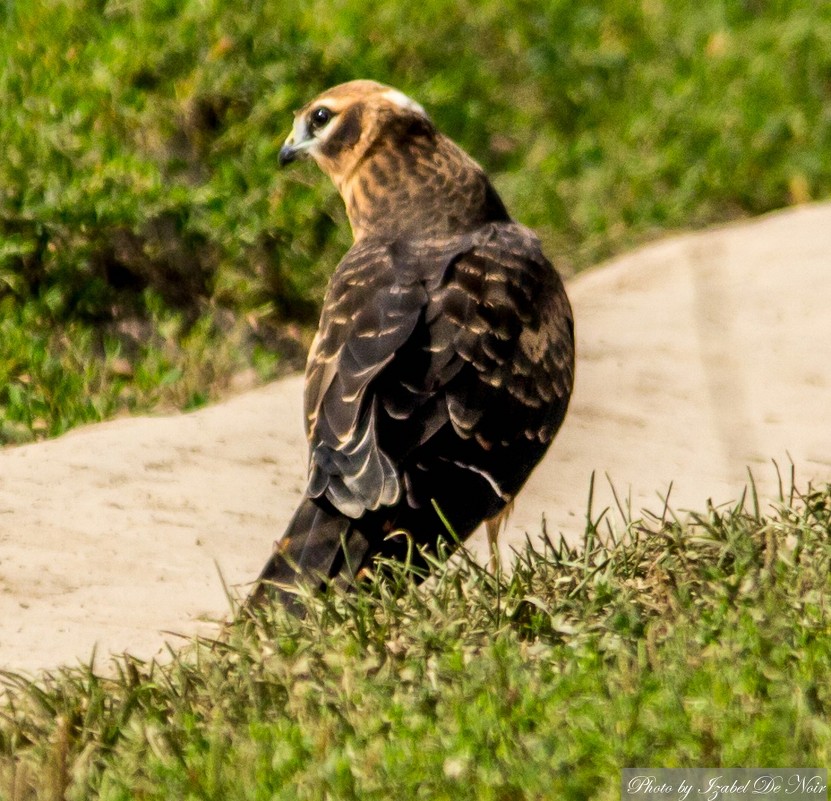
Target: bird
(443, 363)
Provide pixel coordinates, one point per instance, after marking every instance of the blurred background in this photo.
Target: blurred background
(152, 255)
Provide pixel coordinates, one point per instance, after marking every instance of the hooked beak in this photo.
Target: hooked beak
(287, 154)
(296, 145)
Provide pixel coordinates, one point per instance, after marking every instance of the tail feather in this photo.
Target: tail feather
(320, 543)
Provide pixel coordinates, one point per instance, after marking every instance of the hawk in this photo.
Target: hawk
(444, 359)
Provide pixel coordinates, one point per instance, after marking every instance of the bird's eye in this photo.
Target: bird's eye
(319, 117)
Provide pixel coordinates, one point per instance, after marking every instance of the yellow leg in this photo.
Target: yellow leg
(493, 527)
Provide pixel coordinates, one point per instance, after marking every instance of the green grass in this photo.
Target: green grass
(704, 643)
(151, 255)
(150, 250)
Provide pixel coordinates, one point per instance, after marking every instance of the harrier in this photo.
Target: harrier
(444, 360)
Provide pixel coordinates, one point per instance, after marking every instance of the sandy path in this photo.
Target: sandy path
(698, 356)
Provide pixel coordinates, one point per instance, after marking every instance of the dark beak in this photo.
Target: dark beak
(287, 155)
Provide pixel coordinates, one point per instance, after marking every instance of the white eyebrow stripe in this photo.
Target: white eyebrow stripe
(325, 101)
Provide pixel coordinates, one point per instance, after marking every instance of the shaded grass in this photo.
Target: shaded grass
(138, 179)
(673, 644)
(55, 377)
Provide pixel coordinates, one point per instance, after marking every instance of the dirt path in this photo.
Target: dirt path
(698, 356)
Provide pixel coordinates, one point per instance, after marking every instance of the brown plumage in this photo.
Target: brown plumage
(444, 360)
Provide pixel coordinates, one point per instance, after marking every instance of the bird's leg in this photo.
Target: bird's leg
(493, 527)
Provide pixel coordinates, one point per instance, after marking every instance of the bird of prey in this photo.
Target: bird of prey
(444, 360)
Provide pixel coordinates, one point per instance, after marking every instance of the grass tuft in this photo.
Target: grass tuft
(672, 644)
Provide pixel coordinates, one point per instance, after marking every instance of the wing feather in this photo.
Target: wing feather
(435, 357)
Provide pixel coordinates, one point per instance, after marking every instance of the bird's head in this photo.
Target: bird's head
(396, 173)
(339, 126)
